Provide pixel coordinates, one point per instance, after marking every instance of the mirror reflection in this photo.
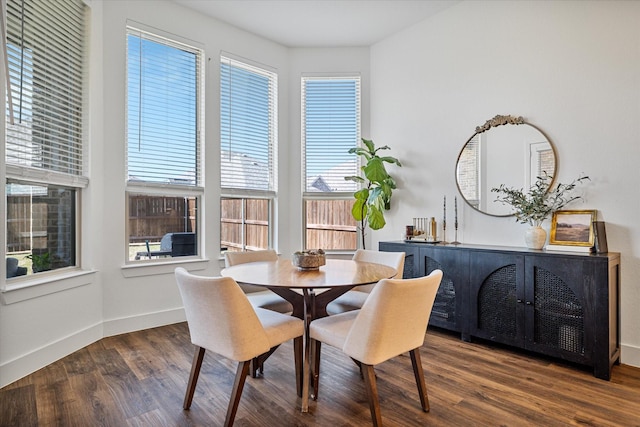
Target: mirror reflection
(505, 150)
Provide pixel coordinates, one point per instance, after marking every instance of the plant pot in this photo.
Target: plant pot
(535, 237)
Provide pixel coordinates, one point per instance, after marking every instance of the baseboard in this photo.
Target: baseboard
(28, 363)
(630, 355)
(139, 322)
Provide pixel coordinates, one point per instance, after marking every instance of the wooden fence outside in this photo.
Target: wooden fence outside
(151, 217)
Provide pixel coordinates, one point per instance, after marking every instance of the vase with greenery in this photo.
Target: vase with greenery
(536, 205)
(377, 186)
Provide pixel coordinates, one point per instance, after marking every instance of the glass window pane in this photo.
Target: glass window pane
(41, 227)
(248, 126)
(162, 110)
(331, 126)
(162, 226)
(244, 224)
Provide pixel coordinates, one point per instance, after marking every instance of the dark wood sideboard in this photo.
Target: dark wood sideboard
(560, 304)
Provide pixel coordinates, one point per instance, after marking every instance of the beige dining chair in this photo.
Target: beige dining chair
(258, 296)
(355, 298)
(392, 321)
(222, 320)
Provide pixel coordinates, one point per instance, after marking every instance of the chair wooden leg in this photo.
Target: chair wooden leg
(316, 346)
(372, 394)
(193, 377)
(236, 393)
(297, 357)
(257, 363)
(419, 374)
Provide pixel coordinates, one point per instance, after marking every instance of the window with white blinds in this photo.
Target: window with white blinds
(163, 95)
(330, 127)
(45, 50)
(248, 126)
(45, 172)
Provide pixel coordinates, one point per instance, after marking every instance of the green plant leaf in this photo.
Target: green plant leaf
(358, 179)
(370, 145)
(375, 171)
(375, 218)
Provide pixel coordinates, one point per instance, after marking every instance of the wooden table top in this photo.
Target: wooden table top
(283, 273)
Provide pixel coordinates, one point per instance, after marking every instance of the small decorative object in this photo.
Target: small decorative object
(537, 204)
(409, 232)
(572, 231)
(455, 221)
(600, 244)
(311, 259)
(444, 221)
(433, 230)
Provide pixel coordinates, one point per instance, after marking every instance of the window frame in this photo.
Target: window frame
(159, 189)
(332, 195)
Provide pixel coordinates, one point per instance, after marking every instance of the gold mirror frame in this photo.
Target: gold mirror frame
(515, 155)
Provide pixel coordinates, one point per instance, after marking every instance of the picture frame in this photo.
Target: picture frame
(573, 228)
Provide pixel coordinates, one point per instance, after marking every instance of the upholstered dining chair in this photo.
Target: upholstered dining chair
(355, 298)
(392, 321)
(259, 297)
(222, 320)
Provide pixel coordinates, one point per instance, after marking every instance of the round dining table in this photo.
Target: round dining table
(309, 291)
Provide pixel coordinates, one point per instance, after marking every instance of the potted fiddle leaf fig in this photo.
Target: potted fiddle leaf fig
(377, 186)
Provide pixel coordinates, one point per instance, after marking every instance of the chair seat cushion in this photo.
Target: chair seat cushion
(333, 330)
(270, 301)
(279, 327)
(352, 300)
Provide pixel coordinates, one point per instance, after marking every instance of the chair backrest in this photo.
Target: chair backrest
(391, 259)
(393, 319)
(220, 317)
(235, 258)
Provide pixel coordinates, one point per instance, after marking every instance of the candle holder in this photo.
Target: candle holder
(455, 242)
(444, 233)
(455, 223)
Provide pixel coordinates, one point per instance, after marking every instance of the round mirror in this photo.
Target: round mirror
(505, 150)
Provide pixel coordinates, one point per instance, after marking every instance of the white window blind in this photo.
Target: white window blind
(248, 126)
(163, 85)
(330, 127)
(45, 50)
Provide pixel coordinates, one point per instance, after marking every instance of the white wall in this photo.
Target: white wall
(571, 68)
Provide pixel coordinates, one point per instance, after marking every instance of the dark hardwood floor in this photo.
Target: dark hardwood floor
(139, 379)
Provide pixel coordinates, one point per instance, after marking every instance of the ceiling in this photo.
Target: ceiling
(320, 23)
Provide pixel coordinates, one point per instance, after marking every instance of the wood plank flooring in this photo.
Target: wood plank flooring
(139, 379)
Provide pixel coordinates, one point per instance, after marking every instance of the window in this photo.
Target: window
(468, 171)
(44, 149)
(248, 142)
(163, 146)
(330, 127)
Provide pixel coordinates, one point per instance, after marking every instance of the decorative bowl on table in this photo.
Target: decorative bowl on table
(311, 259)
